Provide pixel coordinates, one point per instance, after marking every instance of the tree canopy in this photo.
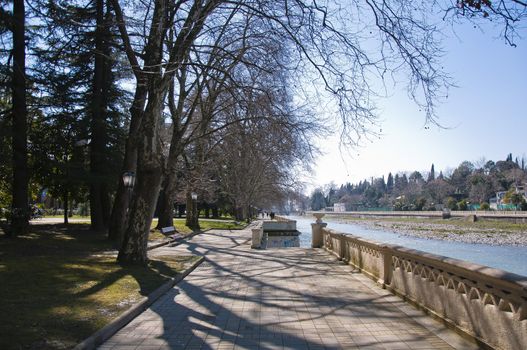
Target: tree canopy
(159, 89)
(466, 184)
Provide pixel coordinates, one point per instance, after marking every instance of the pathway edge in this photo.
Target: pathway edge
(122, 320)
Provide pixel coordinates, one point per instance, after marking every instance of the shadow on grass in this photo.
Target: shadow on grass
(60, 284)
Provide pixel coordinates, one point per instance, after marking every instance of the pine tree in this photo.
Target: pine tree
(82, 103)
(431, 176)
(19, 124)
(389, 183)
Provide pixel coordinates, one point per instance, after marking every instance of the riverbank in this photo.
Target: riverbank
(488, 231)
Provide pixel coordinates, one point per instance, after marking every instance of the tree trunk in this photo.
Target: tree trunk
(195, 215)
(65, 199)
(189, 210)
(20, 205)
(143, 152)
(166, 203)
(118, 219)
(148, 182)
(98, 166)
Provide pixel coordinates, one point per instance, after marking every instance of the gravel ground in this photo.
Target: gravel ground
(448, 232)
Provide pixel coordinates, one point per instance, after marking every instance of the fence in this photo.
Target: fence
(488, 304)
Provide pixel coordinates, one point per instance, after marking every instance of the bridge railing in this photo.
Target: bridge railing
(488, 304)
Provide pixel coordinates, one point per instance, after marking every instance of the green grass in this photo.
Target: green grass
(61, 284)
(71, 217)
(220, 224)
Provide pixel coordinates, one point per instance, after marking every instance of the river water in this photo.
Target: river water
(508, 258)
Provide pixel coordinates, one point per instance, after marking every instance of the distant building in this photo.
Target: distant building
(497, 203)
(339, 207)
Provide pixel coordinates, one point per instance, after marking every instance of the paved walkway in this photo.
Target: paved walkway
(277, 299)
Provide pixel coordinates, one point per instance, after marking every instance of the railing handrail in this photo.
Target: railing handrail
(471, 269)
(457, 291)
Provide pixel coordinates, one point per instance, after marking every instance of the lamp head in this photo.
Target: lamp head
(129, 179)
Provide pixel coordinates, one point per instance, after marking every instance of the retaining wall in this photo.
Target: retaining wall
(489, 214)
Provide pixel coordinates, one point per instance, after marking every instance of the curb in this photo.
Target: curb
(119, 322)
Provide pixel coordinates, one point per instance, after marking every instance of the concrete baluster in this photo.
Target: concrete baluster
(257, 234)
(342, 246)
(316, 231)
(385, 273)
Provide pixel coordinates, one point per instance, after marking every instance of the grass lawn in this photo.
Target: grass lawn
(61, 284)
(204, 225)
(87, 218)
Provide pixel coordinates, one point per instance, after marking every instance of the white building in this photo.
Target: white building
(339, 207)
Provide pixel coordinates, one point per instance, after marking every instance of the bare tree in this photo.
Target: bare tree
(256, 158)
(507, 15)
(334, 53)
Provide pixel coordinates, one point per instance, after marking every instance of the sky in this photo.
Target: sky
(485, 116)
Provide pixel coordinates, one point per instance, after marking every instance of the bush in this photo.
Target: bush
(484, 206)
(420, 203)
(451, 203)
(462, 205)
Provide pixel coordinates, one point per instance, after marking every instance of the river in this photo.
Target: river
(508, 258)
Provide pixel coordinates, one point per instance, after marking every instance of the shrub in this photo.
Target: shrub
(451, 204)
(420, 203)
(462, 205)
(484, 206)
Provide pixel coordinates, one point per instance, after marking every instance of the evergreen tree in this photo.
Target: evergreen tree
(404, 181)
(83, 106)
(432, 175)
(389, 183)
(318, 201)
(13, 32)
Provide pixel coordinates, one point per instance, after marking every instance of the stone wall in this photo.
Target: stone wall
(489, 214)
(487, 304)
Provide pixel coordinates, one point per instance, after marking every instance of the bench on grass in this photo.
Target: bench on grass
(171, 232)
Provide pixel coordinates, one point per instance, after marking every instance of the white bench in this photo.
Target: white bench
(168, 231)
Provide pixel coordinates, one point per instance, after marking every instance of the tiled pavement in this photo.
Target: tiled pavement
(277, 299)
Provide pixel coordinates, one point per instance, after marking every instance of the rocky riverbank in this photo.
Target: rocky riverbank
(430, 229)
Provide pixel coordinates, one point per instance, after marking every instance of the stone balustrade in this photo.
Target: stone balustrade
(257, 235)
(281, 218)
(489, 305)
